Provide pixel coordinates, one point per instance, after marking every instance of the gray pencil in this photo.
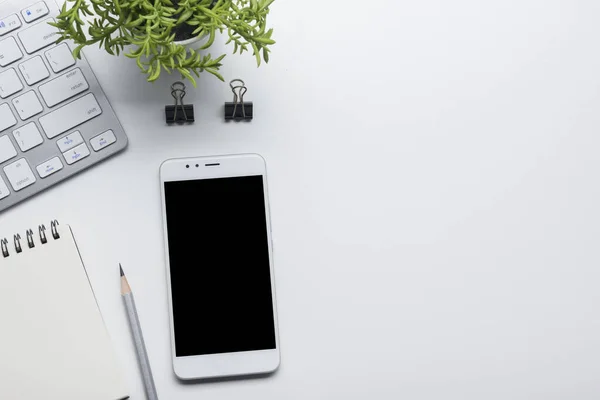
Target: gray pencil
(138, 338)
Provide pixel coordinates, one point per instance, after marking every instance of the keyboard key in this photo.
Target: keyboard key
(7, 150)
(9, 83)
(4, 192)
(28, 136)
(70, 115)
(49, 167)
(9, 52)
(69, 141)
(7, 119)
(36, 11)
(19, 174)
(77, 154)
(64, 87)
(38, 36)
(9, 24)
(34, 70)
(60, 57)
(104, 140)
(27, 105)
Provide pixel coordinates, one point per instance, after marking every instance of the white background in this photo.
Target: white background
(433, 170)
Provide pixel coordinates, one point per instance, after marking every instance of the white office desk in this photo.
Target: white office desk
(433, 171)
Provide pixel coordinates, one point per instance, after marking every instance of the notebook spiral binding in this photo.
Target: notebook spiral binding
(30, 242)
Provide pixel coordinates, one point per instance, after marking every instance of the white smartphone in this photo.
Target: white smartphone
(219, 259)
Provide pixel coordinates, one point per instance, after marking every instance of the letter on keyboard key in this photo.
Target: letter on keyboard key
(19, 174)
(60, 57)
(9, 83)
(4, 192)
(64, 87)
(36, 11)
(28, 105)
(28, 136)
(38, 36)
(34, 70)
(70, 115)
(7, 119)
(9, 52)
(9, 24)
(49, 167)
(7, 150)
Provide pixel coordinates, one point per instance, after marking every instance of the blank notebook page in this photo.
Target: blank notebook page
(53, 342)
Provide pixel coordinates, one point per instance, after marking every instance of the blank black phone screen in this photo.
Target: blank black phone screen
(219, 264)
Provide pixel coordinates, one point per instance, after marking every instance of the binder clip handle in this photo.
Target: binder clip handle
(178, 93)
(179, 112)
(239, 110)
(238, 91)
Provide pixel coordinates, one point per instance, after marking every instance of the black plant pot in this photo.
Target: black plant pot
(185, 31)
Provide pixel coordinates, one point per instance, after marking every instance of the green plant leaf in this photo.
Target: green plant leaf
(264, 40)
(215, 73)
(185, 73)
(156, 73)
(77, 51)
(211, 40)
(184, 17)
(256, 54)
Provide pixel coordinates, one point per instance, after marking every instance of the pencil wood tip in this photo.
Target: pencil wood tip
(125, 288)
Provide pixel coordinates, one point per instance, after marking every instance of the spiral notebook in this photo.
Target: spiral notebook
(53, 342)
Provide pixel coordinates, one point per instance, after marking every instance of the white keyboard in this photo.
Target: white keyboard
(55, 120)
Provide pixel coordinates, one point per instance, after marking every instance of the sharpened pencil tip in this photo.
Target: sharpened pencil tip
(125, 288)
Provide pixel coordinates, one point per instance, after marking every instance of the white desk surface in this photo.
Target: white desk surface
(433, 171)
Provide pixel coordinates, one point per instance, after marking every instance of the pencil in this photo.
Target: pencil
(138, 338)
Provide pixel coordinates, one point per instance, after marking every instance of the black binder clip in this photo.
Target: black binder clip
(238, 110)
(179, 113)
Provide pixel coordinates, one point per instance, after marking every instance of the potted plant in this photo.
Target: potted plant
(157, 33)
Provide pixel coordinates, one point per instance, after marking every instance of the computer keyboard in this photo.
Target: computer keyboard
(55, 120)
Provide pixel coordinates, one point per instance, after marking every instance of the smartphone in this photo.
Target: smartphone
(219, 259)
